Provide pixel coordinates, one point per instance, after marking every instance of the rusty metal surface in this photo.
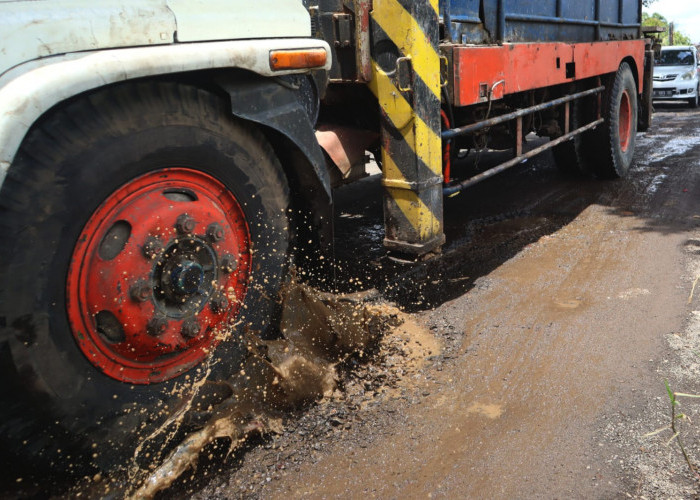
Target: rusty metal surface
(345, 146)
(362, 40)
(474, 127)
(529, 66)
(449, 190)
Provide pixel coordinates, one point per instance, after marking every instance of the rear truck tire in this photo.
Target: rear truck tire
(609, 149)
(567, 155)
(566, 159)
(140, 223)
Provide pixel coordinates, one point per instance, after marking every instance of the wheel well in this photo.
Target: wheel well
(635, 70)
(313, 216)
(312, 210)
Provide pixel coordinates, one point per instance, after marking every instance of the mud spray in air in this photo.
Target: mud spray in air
(319, 332)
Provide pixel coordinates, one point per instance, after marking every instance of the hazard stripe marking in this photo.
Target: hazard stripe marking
(427, 100)
(393, 18)
(401, 116)
(411, 126)
(411, 205)
(423, 7)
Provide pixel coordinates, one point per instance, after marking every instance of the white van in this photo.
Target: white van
(676, 74)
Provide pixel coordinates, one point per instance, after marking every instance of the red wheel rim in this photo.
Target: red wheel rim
(625, 122)
(157, 272)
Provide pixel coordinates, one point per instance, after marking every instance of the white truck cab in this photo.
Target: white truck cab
(54, 50)
(676, 74)
(149, 150)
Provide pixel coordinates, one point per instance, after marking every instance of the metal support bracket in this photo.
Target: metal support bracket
(406, 82)
(518, 146)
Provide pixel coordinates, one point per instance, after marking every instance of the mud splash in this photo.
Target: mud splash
(319, 331)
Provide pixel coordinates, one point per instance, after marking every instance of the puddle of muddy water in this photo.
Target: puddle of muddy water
(488, 410)
(567, 304)
(319, 331)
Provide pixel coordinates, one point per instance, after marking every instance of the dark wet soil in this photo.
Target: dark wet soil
(532, 355)
(548, 313)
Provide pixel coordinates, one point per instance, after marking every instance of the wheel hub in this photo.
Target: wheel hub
(158, 269)
(625, 121)
(187, 277)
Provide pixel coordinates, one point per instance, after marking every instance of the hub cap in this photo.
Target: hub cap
(625, 126)
(158, 270)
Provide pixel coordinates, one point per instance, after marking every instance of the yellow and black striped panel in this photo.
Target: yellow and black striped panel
(411, 144)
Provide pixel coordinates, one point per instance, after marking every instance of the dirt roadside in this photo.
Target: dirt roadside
(543, 345)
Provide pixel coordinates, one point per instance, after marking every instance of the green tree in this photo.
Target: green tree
(680, 38)
(656, 19)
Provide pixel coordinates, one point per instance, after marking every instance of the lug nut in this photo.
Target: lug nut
(140, 291)
(219, 304)
(152, 247)
(229, 263)
(190, 328)
(156, 326)
(215, 232)
(185, 224)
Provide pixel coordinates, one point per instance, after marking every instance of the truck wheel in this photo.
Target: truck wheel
(566, 160)
(693, 102)
(567, 155)
(615, 138)
(143, 230)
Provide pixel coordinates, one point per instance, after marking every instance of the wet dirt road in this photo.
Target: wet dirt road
(542, 345)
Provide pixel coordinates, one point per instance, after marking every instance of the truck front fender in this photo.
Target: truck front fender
(30, 90)
(281, 105)
(286, 109)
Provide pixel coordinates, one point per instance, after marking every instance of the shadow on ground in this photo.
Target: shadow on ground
(493, 221)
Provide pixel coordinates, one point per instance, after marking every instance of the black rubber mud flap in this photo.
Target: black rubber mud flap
(285, 106)
(646, 107)
(270, 103)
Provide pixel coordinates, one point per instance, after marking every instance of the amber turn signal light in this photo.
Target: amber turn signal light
(297, 59)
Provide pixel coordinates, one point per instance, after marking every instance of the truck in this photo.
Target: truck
(163, 163)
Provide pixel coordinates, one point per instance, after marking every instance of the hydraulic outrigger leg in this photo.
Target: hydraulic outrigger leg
(406, 82)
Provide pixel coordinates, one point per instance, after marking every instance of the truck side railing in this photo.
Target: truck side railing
(426, 58)
(518, 116)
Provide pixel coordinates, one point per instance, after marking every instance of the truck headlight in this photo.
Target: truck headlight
(688, 75)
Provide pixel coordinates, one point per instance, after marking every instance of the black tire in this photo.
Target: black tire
(567, 155)
(693, 102)
(55, 403)
(566, 159)
(608, 153)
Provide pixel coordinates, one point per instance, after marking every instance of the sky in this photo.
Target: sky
(685, 15)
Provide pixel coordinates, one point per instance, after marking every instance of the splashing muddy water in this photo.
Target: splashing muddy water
(319, 331)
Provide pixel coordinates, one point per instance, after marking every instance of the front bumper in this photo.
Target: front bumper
(674, 90)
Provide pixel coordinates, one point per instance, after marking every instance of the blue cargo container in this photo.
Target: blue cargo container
(502, 21)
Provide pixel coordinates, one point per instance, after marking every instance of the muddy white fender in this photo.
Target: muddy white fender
(25, 98)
